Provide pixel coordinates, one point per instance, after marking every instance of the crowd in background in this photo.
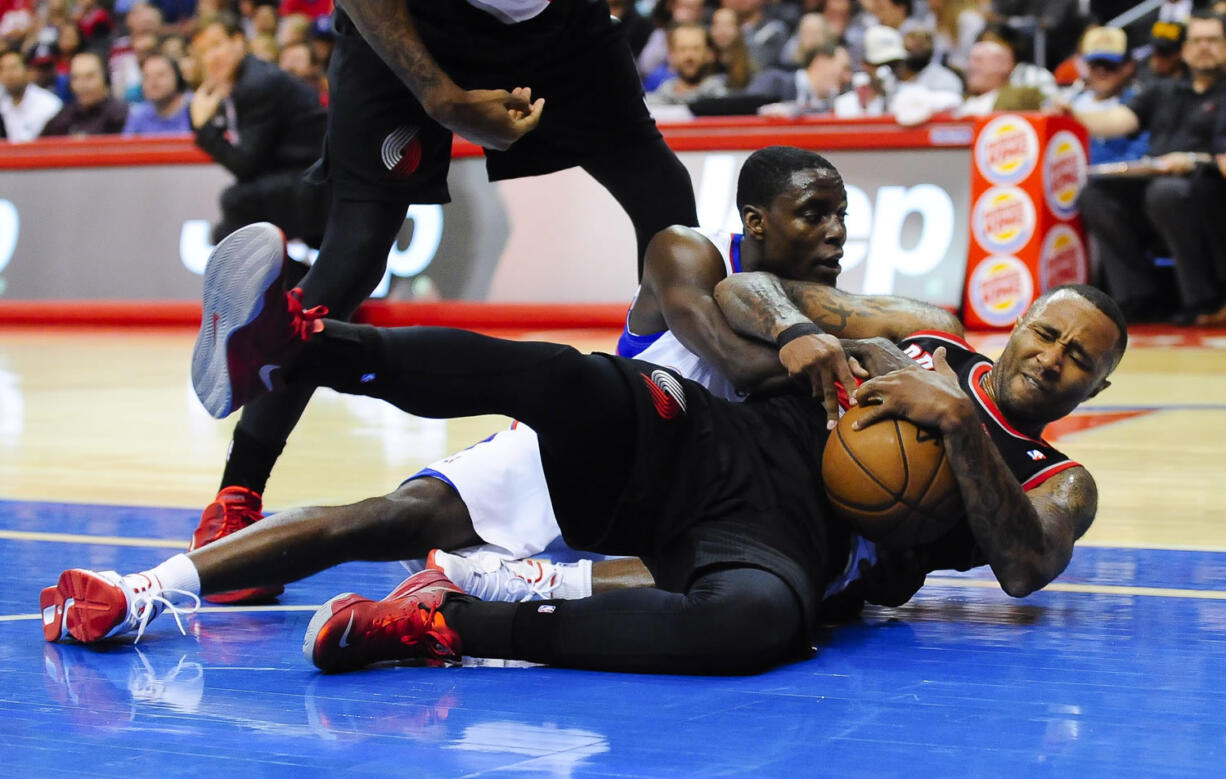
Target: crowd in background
(73, 67)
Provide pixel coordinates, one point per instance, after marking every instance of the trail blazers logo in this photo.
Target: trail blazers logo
(402, 151)
(666, 393)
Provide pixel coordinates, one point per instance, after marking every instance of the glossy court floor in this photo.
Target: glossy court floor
(1118, 668)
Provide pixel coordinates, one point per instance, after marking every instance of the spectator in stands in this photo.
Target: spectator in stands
(919, 66)
(653, 59)
(957, 24)
(837, 14)
(1163, 58)
(263, 20)
(988, 86)
(94, 22)
(1108, 83)
(764, 35)
(810, 90)
(299, 61)
(264, 47)
(322, 40)
(264, 126)
(811, 33)
(896, 14)
(127, 52)
(692, 59)
(16, 21)
(94, 111)
(25, 108)
(874, 85)
(731, 53)
(43, 71)
(165, 107)
(1023, 73)
(1183, 118)
(292, 29)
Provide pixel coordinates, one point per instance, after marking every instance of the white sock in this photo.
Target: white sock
(177, 573)
(575, 580)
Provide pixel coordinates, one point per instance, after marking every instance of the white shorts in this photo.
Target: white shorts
(502, 482)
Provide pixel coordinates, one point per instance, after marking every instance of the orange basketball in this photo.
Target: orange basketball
(891, 481)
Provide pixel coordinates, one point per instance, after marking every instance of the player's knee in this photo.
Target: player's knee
(426, 513)
(754, 627)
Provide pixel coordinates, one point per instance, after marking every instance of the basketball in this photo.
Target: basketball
(891, 481)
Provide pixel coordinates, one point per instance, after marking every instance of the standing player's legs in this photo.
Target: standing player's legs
(382, 154)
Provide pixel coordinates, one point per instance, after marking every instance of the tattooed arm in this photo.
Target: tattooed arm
(493, 118)
(762, 305)
(1027, 537)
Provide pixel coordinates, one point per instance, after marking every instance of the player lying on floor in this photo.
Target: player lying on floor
(723, 501)
(493, 494)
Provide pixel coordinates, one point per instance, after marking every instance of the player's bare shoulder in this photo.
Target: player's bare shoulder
(1069, 497)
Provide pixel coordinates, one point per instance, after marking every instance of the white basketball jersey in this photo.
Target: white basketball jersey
(666, 350)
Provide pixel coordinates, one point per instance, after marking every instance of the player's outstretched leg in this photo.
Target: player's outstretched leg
(95, 605)
(350, 632)
(249, 319)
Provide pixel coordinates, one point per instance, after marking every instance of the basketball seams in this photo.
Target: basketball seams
(863, 467)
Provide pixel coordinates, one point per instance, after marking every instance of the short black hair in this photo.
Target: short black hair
(1204, 15)
(1104, 303)
(768, 172)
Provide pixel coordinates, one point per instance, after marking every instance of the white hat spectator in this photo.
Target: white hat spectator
(1104, 44)
(883, 44)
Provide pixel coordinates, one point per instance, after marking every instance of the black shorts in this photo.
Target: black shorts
(381, 145)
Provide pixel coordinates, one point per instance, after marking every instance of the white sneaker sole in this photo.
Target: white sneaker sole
(236, 280)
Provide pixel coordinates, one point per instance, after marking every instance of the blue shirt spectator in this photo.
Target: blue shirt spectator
(166, 105)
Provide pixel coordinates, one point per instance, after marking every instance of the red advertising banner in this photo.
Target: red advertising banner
(1027, 171)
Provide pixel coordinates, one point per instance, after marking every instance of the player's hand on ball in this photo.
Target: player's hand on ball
(930, 399)
(491, 118)
(871, 357)
(821, 359)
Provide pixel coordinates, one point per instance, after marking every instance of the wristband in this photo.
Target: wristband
(795, 331)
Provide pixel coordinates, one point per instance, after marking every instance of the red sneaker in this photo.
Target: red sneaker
(95, 605)
(250, 326)
(233, 509)
(350, 632)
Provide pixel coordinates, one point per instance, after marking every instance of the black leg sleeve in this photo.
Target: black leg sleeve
(731, 621)
(651, 185)
(579, 404)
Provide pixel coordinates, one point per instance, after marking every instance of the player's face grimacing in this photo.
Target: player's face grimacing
(805, 228)
(1059, 355)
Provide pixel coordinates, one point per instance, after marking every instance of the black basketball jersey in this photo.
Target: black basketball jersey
(1032, 460)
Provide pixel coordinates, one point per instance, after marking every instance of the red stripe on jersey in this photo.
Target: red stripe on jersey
(941, 335)
(981, 395)
(1047, 473)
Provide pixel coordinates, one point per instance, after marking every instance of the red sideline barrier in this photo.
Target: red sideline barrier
(477, 316)
(708, 134)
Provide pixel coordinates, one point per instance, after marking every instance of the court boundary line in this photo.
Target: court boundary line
(933, 581)
(163, 543)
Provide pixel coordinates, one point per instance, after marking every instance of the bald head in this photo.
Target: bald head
(988, 68)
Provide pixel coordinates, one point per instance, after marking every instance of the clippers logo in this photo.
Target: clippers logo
(1007, 150)
(1003, 220)
(1064, 173)
(402, 151)
(1000, 289)
(666, 393)
(1036, 455)
(1063, 259)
